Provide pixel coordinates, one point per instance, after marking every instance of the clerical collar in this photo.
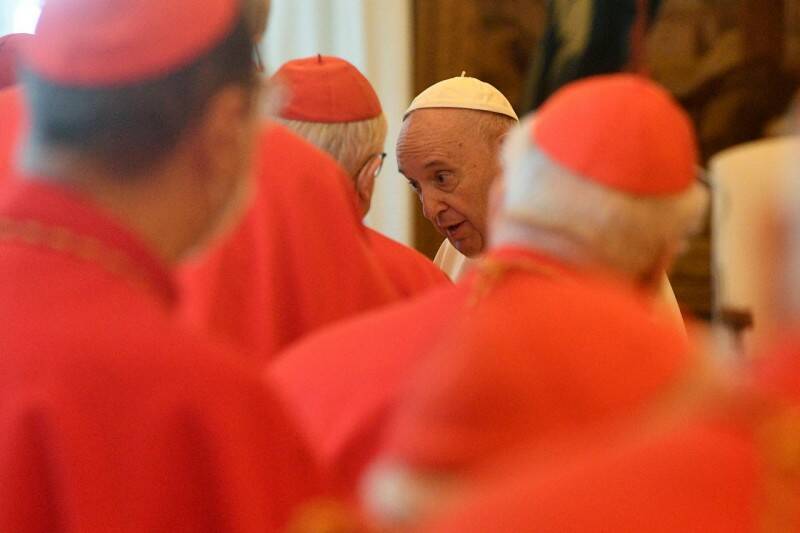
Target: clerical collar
(512, 252)
(46, 215)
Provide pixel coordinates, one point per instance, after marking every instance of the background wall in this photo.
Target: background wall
(18, 16)
(493, 40)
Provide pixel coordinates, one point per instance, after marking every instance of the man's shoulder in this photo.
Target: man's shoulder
(377, 331)
(589, 296)
(378, 239)
(393, 252)
(117, 329)
(366, 349)
(283, 151)
(554, 313)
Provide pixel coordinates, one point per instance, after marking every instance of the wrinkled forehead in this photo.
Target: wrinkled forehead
(444, 133)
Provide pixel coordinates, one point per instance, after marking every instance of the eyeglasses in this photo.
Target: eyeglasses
(378, 169)
(703, 177)
(259, 64)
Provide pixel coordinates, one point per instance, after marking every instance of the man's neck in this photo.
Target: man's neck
(147, 205)
(568, 252)
(542, 241)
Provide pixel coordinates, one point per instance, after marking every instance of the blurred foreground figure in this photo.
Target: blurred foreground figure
(332, 105)
(563, 332)
(574, 259)
(728, 464)
(731, 467)
(112, 417)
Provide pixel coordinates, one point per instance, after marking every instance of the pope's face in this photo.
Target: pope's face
(451, 164)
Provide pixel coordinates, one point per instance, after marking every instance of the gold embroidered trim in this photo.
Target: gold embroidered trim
(491, 271)
(81, 247)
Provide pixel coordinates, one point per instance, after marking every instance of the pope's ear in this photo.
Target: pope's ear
(501, 140)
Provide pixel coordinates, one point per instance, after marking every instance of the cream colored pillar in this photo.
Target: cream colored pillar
(748, 182)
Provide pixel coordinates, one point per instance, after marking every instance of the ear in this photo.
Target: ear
(225, 133)
(365, 184)
(652, 280)
(503, 137)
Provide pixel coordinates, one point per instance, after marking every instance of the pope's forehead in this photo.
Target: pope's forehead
(444, 129)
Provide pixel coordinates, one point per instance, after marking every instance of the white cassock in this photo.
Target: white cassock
(455, 265)
(452, 262)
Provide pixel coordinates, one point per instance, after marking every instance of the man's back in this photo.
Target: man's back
(545, 348)
(112, 417)
(298, 261)
(702, 478)
(344, 382)
(726, 465)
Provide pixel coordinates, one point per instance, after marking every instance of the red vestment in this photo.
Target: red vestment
(546, 348)
(410, 271)
(10, 48)
(112, 416)
(298, 261)
(733, 468)
(343, 383)
(13, 123)
(701, 479)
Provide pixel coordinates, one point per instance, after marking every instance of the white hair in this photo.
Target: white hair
(579, 220)
(350, 143)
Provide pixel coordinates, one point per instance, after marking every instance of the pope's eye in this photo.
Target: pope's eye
(442, 178)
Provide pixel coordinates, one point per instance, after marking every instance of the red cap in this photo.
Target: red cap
(10, 48)
(326, 89)
(96, 43)
(622, 131)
